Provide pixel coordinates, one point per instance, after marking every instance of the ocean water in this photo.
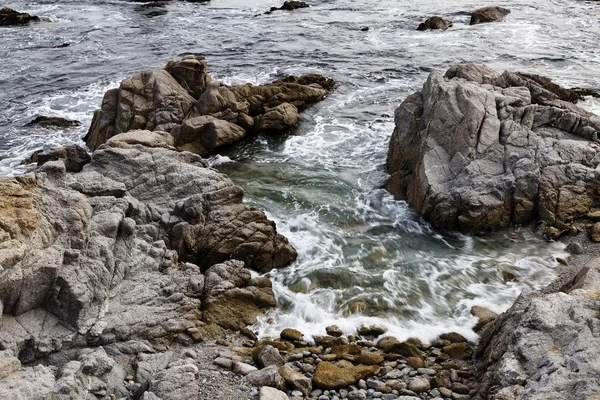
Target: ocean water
(363, 257)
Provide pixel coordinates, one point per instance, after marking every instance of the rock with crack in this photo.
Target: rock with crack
(202, 114)
(476, 151)
(101, 265)
(232, 298)
(546, 345)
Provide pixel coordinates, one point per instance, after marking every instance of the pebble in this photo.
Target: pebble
(361, 384)
(358, 395)
(426, 371)
(316, 392)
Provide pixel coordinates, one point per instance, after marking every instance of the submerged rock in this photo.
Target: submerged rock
(8, 17)
(201, 114)
(477, 151)
(434, 22)
(488, 14)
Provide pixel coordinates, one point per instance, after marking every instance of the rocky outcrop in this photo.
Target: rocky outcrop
(103, 269)
(476, 151)
(8, 17)
(434, 22)
(546, 345)
(201, 114)
(488, 14)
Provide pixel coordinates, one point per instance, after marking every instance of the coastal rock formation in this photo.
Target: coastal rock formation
(476, 151)
(488, 14)
(546, 345)
(434, 22)
(201, 114)
(104, 269)
(8, 17)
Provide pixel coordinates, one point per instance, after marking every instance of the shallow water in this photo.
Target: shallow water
(363, 258)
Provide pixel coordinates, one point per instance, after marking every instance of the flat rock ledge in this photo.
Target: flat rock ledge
(202, 114)
(111, 276)
(477, 151)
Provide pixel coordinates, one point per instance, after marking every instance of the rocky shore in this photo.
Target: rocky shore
(133, 272)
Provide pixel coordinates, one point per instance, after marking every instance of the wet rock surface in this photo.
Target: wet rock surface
(488, 14)
(434, 22)
(201, 114)
(48, 122)
(477, 151)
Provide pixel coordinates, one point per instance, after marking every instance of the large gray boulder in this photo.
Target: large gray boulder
(476, 151)
(546, 345)
(102, 265)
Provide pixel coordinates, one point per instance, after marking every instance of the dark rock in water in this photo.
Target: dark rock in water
(488, 14)
(48, 122)
(293, 5)
(289, 6)
(477, 151)
(8, 17)
(62, 46)
(364, 29)
(203, 115)
(581, 92)
(434, 22)
(74, 157)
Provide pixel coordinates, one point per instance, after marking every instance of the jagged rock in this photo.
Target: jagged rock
(232, 299)
(190, 73)
(484, 316)
(478, 151)
(202, 114)
(8, 16)
(279, 119)
(488, 14)
(112, 257)
(148, 100)
(434, 22)
(204, 135)
(328, 376)
(545, 345)
(48, 122)
(73, 156)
